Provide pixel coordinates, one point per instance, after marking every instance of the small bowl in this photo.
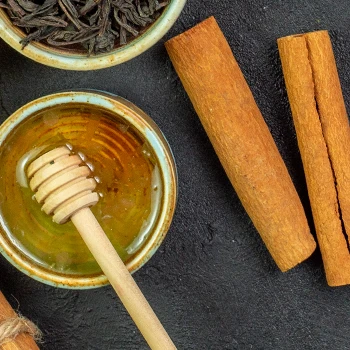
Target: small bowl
(59, 58)
(131, 116)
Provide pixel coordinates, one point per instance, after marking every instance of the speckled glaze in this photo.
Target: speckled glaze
(149, 130)
(59, 58)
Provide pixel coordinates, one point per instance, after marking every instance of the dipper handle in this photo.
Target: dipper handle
(121, 280)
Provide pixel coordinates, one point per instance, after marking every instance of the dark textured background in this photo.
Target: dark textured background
(212, 283)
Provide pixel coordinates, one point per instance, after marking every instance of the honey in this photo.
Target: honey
(129, 185)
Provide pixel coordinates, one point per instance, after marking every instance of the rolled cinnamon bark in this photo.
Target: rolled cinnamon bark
(323, 134)
(23, 341)
(242, 141)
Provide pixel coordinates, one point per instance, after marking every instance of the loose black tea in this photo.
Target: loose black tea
(95, 26)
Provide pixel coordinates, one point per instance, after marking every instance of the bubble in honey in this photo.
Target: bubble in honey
(146, 153)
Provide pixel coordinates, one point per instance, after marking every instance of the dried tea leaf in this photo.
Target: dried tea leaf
(80, 40)
(45, 21)
(28, 5)
(124, 23)
(16, 8)
(88, 6)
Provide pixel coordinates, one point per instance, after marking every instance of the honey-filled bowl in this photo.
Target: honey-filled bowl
(71, 58)
(136, 180)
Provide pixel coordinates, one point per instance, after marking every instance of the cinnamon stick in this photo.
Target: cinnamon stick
(226, 107)
(22, 341)
(323, 133)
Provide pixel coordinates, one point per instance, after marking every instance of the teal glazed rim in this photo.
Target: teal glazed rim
(150, 132)
(59, 58)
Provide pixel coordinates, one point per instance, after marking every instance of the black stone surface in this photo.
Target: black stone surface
(212, 283)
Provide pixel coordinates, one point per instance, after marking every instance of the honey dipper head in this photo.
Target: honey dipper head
(60, 182)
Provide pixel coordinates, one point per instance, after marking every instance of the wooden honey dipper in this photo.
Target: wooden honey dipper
(60, 182)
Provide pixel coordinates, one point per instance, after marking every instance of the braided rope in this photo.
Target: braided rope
(12, 327)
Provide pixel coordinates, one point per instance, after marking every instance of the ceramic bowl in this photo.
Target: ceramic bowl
(59, 58)
(131, 116)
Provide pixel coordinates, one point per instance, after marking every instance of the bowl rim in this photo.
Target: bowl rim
(149, 129)
(57, 58)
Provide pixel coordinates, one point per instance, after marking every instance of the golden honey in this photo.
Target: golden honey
(129, 186)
